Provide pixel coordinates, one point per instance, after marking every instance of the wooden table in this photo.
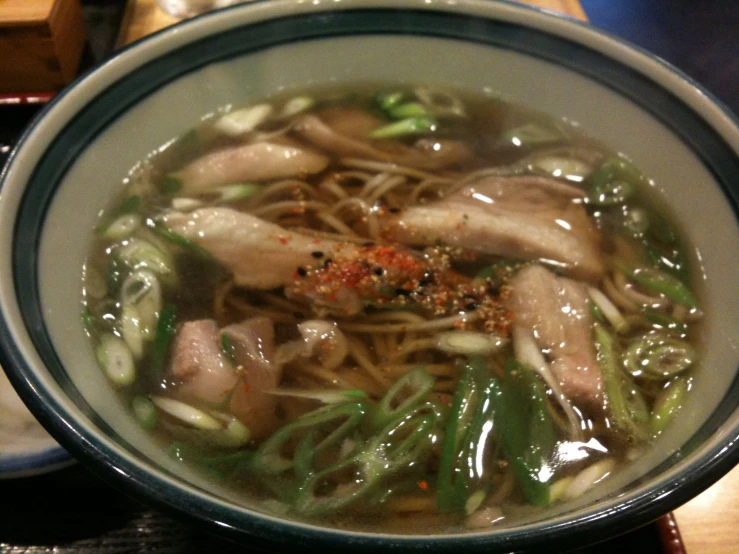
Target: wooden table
(143, 17)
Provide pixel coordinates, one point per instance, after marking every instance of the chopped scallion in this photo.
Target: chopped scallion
(404, 127)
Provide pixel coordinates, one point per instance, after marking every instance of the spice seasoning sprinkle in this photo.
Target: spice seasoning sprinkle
(389, 277)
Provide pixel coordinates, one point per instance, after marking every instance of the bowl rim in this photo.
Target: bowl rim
(719, 461)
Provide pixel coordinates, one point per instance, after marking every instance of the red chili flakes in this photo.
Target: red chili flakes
(283, 240)
(423, 485)
(389, 276)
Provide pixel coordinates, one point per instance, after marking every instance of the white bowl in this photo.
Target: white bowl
(72, 159)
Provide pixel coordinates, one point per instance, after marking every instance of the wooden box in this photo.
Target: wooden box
(41, 43)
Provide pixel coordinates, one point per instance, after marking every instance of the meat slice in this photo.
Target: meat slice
(343, 132)
(555, 310)
(197, 360)
(251, 162)
(261, 255)
(524, 217)
(205, 374)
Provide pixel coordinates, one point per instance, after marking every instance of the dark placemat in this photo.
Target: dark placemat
(72, 511)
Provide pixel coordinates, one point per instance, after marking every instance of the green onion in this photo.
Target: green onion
(533, 134)
(303, 458)
(561, 167)
(175, 238)
(123, 227)
(658, 356)
(405, 394)
(144, 412)
(404, 127)
(410, 109)
(661, 230)
(665, 321)
(164, 332)
(613, 183)
(469, 343)
(237, 191)
(228, 348)
(451, 491)
(668, 403)
(526, 430)
(296, 105)
(141, 254)
(329, 396)
(663, 283)
(342, 419)
(673, 260)
(596, 312)
(242, 121)
(308, 501)
(141, 290)
(636, 222)
(387, 100)
(87, 319)
(131, 330)
(476, 472)
(116, 360)
(625, 404)
(607, 310)
(401, 443)
(131, 205)
(170, 185)
(186, 413)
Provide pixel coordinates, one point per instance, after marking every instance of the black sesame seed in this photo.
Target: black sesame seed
(327, 261)
(299, 315)
(394, 210)
(367, 244)
(402, 292)
(317, 254)
(302, 271)
(378, 271)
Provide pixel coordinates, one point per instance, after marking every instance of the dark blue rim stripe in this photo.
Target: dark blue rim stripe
(116, 100)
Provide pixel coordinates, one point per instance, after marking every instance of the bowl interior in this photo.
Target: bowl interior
(95, 133)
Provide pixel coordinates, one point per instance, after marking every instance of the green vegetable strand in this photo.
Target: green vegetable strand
(526, 429)
(165, 330)
(404, 127)
(405, 394)
(662, 283)
(625, 404)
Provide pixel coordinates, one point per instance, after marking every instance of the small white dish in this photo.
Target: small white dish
(26, 448)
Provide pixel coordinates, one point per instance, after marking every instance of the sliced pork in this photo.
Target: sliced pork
(524, 217)
(261, 161)
(555, 310)
(205, 373)
(264, 256)
(261, 255)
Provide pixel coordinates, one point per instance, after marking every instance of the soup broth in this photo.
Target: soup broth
(393, 308)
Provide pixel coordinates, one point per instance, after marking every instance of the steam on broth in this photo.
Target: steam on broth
(393, 307)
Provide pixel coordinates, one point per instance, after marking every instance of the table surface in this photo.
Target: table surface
(72, 511)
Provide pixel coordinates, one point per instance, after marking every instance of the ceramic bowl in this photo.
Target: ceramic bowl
(73, 157)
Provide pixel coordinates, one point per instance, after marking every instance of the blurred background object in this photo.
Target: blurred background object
(41, 42)
(189, 8)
